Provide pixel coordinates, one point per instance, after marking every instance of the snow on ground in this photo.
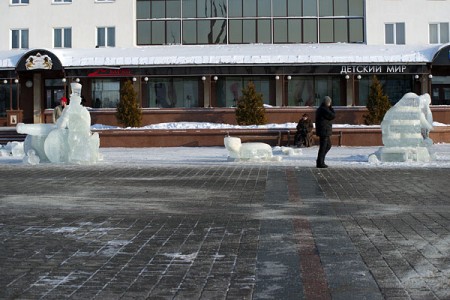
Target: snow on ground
(207, 125)
(338, 157)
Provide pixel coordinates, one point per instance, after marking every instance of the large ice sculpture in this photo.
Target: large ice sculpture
(247, 151)
(405, 128)
(70, 140)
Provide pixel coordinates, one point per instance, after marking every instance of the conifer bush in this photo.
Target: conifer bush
(377, 104)
(250, 107)
(128, 112)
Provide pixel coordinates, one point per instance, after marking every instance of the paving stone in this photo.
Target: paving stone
(223, 232)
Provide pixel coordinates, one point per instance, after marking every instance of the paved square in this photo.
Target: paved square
(223, 232)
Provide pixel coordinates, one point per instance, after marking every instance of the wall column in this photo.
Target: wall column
(279, 83)
(37, 98)
(206, 91)
(350, 91)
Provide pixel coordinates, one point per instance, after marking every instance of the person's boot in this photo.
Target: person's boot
(320, 164)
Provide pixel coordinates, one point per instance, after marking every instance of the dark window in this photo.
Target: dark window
(249, 31)
(280, 9)
(341, 31)
(264, 8)
(341, 7)
(158, 32)
(143, 9)
(310, 8)
(310, 31)
(253, 21)
(356, 8)
(356, 28)
(280, 31)
(249, 8)
(326, 31)
(326, 8)
(235, 8)
(294, 8)
(158, 9)
(294, 30)
(264, 31)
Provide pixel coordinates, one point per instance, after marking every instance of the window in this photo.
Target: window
(106, 37)
(310, 90)
(106, 93)
(249, 21)
(62, 38)
(19, 39)
(172, 92)
(394, 86)
(439, 33)
(229, 89)
(62, 1)
(20, 1)
(395, 33)
(8, 94)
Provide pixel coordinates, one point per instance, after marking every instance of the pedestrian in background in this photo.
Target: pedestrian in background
(57, 111)
(324, 117)
(304, 132)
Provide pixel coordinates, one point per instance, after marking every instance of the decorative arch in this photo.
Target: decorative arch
(442, 57)
(38, 60)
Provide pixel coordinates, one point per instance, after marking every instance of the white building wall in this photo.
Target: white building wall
(83, 16)
(416, 14)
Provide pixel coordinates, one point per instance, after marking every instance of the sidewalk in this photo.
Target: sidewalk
(223, 232)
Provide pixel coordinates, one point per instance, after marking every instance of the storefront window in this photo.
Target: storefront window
(310, 90)
(105, 93)
(229, 89)
(6, 97)
(301, 91)
(394, 86)
(171, 92)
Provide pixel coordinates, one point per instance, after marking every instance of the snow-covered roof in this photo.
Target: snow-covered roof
(252, 54)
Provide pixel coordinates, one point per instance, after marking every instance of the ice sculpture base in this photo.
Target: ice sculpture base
(404, 154)
(248, 151)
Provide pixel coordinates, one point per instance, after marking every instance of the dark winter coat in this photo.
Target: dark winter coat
(324, 117)
(305, 126)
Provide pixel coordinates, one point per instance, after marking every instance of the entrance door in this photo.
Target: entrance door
(440, 94)
(54, 91)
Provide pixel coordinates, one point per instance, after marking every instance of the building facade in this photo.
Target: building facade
(193, 54)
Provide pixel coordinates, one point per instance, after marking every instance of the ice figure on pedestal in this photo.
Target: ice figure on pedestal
(405, 128)
(248, 151)
(70, 140)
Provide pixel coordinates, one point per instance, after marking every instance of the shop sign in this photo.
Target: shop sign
(111, 73)
(373, 69)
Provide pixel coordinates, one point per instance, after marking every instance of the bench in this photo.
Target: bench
(278, 135)
(335, 133)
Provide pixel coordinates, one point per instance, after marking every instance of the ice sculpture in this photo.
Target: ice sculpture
(247, 151)
(70, 140)
(405, 128)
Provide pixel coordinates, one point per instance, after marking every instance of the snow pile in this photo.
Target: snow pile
(14, 149)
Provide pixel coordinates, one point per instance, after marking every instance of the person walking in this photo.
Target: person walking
(303, 134)
(324, 116)
(57, 112)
